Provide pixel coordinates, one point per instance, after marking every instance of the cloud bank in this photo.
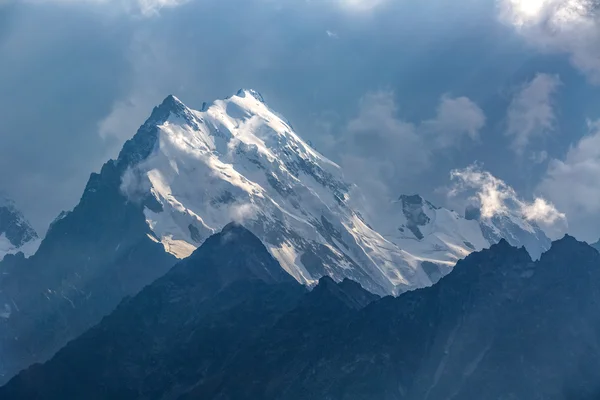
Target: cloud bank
(573, 183)
(571, 27)
(379, 147)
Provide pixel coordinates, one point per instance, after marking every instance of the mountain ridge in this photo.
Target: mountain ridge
(293, 198)
(184, 176)
(189, 336)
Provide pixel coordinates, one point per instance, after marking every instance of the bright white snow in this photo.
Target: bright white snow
(238, 160)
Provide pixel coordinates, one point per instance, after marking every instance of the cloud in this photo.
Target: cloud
(456, 119)
(531, 112)
(574, 184)
(243, 213)
(538, 157)
(144, 8)
(360, 5)
(79, 77)
(495, 197)
(379, 149)
(54, 87)
(559, 26)
(152, 7)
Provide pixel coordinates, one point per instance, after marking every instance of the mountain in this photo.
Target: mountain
(512, 227)
(16, 233)
(596, 245)
(238, 159)
(184, 176)
(175, 332)
(90, 259)
(499, 326)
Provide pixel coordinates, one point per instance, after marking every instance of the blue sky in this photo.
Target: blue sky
(399, 92)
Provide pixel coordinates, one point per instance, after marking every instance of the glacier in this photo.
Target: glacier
(237, 159)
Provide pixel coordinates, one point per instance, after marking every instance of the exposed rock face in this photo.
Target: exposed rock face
(184, 176)
(224, 324)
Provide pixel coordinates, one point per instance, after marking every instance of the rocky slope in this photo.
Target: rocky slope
(500, 326)
(238, 159)
(184, 176)
(224, 324)
(208, 306)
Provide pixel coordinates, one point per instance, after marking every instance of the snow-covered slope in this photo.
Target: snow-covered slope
(436, 237)
(16, 234)
(236, 159)
(513, 227)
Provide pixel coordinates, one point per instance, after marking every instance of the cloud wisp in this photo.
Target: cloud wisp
(145, 8)
(379, 148)
(573, 183)
(531, 112)
(496, 198)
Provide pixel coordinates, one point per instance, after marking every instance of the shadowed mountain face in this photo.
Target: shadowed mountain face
(182, 177)
(90, 259)
(498, 327)
(225, 324)
(176, 331)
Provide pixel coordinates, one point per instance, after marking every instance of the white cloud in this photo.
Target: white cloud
(574, 184)
(560, 26)
(361, 5)
(456, 119)
(496, 197)
(531, 113)
(152, 7)
(379, 149)
(243, 213)
(144, 8)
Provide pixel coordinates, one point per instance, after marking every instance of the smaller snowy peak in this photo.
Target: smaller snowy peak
(513, 227)
(16, 233)
(412, 208)
(143, 143)
(170, 105)
(250, 92)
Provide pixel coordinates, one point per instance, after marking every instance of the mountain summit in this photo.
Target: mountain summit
(195, 171)
(16, 233)
(183, 177)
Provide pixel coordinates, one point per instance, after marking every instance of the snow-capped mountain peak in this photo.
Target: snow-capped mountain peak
(236, 159)
(16, 233)
(513, 227)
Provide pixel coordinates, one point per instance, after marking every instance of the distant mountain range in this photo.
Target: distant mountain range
(227, 323)
(184, 176)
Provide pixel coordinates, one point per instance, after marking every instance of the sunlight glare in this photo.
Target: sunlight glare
(529, 8)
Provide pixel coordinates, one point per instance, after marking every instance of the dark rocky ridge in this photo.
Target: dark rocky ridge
(225, 325)
(175, 332)
(90, 259)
